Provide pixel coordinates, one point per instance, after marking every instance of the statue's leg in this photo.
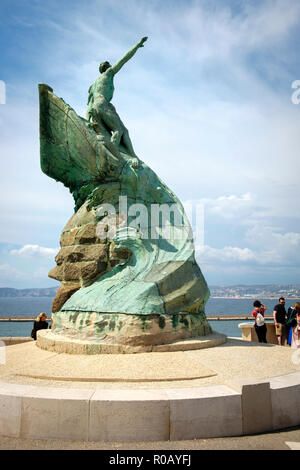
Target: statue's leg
(121, 133)
(127, 142)
(108, 114)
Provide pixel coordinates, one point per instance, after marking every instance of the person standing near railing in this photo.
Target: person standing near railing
(295, 340)
(39, 324)
(260, 326)
(279, 315)
(292, 315)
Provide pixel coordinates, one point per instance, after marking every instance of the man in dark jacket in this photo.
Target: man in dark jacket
(279, 315)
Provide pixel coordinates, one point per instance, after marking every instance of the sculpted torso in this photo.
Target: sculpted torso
(104, 85)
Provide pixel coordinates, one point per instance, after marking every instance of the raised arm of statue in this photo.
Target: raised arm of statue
(127, 56)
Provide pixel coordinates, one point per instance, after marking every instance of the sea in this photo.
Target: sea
(218, 307)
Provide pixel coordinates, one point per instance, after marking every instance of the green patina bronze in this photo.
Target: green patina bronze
(94, 158)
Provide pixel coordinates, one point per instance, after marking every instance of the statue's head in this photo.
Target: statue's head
(104, 66)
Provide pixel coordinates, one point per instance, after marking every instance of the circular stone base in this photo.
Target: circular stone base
(149, 397)
(63, 344)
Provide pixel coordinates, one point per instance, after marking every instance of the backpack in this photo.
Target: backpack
(291, 321)
(260, 321)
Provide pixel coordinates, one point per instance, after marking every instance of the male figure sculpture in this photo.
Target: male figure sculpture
(101, 111)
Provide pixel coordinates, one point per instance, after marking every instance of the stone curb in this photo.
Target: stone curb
(237, 408)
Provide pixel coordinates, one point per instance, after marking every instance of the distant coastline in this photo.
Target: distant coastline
(255, 297)
(9, 292)
(238, 292)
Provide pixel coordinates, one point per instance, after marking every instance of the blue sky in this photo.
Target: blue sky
(208, 105)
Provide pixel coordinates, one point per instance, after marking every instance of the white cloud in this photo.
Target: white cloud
(267, 248)
(8, 272)
(206, 254)
(205, 32)
(274, 247)
(228, 207)
(32, 251)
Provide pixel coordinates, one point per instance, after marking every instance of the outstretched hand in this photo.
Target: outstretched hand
(141, 43)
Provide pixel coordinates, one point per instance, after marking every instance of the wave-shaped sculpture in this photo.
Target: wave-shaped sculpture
(126, 263)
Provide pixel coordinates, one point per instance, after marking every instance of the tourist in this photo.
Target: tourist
(279, 315)
(39, 324)
(292, 320)
(295, 343)
(260, 326)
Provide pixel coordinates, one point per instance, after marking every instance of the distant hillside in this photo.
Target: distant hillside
(34, 292)
(257, 291)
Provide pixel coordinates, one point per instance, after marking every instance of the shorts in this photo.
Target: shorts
(280, 329)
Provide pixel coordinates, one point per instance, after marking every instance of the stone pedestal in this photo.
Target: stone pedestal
(131, 334)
